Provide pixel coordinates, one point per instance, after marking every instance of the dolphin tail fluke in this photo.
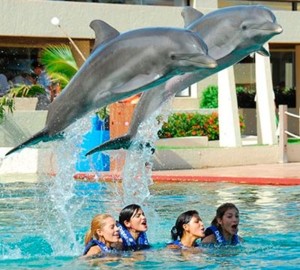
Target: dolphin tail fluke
(114, 144)
(35, 139)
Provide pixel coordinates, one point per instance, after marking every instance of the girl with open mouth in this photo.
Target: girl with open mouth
(133, 226)
(224, 227)
(188, 228)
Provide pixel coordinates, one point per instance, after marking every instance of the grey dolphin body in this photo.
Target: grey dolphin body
(230, 33)
(122, 65)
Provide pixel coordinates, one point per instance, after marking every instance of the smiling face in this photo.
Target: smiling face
(229, 222)
(137, 222)
(109, 233)
(195, 227)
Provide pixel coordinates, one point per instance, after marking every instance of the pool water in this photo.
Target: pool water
(42, 227)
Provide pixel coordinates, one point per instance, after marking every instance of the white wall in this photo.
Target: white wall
(32, 18)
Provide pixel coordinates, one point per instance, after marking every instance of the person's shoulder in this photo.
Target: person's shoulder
(209, 239)
(176, 244)
(93, 251)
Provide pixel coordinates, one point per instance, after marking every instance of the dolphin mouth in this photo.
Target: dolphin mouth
(273, 27)
(197, 60)
(278, 29)
(204, 61)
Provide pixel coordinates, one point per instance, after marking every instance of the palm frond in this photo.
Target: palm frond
(62, 78)
(24, 90)
(59, 59)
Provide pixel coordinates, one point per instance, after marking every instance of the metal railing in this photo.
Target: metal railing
(284, 133)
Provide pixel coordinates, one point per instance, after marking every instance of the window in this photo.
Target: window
(284, 79)
(283, 76)
(137, 2)
(273, 4)
(15, 61)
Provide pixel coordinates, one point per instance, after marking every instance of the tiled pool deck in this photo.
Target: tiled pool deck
(262, 174)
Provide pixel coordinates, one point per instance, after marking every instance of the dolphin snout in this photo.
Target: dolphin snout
(203, 61)
(195, 60)
(273, 27)
(278, 29)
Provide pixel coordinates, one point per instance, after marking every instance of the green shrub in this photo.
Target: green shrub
(246, 97)
(193, 124)
(209, 98)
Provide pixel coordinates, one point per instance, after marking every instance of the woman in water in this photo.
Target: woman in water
(102, 234)
(224, 227)
(188, 228)
(133, 226)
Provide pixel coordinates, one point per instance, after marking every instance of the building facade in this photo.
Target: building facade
(26, 28)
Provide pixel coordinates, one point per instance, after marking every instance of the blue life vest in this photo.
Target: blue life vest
(129, 243)
(220, 238)
(94, 242)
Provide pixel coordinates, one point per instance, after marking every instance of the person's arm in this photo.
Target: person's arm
(209, 239)
(173, 246)
(94, 250)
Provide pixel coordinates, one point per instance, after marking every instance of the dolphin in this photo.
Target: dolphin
(119, 66)
(231, 34)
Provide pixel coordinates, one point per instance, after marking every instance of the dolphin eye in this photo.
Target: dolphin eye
(244, 27)
(172, 56)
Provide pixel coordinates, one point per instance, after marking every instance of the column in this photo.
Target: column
(211, 4)
(297, 69)
(229, 123)
(265, 102)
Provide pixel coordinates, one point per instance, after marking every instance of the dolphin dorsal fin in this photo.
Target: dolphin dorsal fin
(190, 15)
(103, 32)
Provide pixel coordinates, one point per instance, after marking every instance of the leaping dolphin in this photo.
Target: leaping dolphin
(230, 33)
(122, 65)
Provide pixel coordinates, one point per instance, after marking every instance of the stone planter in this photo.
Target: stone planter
(194, 141)
(25, 104)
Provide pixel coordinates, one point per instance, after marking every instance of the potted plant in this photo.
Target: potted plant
(8, 101)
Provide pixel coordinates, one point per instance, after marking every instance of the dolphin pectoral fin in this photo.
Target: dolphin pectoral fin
(114, 144)
(263, 52)
(103, 32)
(35, 139)
(190, 15)
(138, 82)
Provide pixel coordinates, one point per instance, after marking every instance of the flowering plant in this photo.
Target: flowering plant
(193, 124)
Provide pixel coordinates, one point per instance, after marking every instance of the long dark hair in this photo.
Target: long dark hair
(221, 211)
(184, 218)
(127, 213)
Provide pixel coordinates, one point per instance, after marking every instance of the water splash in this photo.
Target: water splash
(137, 172)
(59, 212)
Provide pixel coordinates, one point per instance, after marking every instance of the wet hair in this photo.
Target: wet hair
(184, 218)
(97, 222)
(127, 213)
(219, 214)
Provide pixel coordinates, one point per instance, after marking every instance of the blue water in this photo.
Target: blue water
(42, 228)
